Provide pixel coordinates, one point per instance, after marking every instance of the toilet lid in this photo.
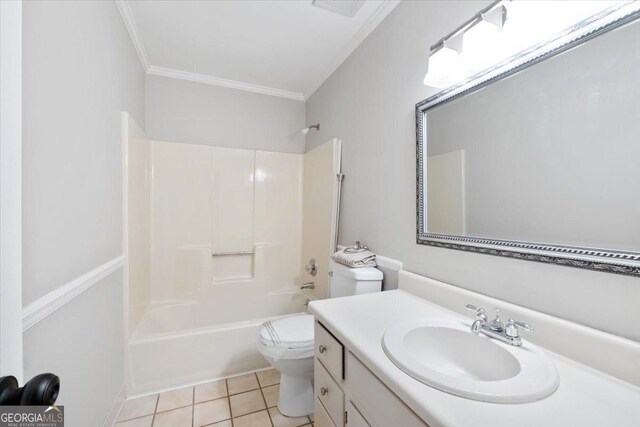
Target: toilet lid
(292, 330)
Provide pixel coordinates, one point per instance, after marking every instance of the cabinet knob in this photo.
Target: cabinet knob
(322, 349)
(323, 391)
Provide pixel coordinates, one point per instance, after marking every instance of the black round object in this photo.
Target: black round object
(8, 388)
(42, 389)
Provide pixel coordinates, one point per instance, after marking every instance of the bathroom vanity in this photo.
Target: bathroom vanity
(345, 389)
(356, 383)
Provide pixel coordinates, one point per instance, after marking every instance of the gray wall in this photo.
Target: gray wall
(82, 343)
(196, 113)
(369, 104)
(80, 72)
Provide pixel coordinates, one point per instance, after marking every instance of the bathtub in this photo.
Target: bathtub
(189, 342)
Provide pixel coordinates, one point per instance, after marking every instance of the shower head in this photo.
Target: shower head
(308, 128)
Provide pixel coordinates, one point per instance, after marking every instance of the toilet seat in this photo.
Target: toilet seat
(287, 338)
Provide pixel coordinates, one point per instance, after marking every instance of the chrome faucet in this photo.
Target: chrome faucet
(308, 285)
(496, 328)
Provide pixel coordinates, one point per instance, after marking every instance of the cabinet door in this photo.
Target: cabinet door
(382, 407)
(320, 416)
(354, 417)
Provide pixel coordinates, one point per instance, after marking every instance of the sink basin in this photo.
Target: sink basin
(444, 354)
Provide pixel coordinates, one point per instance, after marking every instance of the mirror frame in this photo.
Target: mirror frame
(605, 260)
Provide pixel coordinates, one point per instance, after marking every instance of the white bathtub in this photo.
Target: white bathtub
(188, 342)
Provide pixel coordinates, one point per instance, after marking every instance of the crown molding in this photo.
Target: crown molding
(127, 16)
(132, 28)
(374, 20)
(217, 81)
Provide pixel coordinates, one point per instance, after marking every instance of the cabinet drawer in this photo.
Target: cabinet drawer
(354, 417)
(330, 394)
(329, 351)
(378, 404)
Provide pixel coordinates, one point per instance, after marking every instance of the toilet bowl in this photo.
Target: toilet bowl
(287, 344)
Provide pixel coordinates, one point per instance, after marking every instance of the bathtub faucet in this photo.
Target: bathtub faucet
(308, 285)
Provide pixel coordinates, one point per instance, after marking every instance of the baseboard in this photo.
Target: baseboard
(194, 383)
(112, 415)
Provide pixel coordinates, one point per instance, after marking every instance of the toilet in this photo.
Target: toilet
(288, 343)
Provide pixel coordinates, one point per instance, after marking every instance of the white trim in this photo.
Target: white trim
(116, 407)
(134, 33)
(388, 263)
(126, 372)
(194, 383)
(11, 189)
(374, 20)
(44, 306)
(216, 81)
(367, 28)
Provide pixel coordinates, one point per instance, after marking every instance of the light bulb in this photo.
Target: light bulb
(445, 68)
(483, 45)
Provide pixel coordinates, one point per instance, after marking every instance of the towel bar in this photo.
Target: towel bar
(232, 253)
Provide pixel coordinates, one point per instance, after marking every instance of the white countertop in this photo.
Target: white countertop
(585, 398)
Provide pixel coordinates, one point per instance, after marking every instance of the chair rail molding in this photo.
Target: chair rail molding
(54, 300)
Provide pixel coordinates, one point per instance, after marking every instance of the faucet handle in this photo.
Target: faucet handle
(511, 330)
(522, 325)
(479, 311)
(496, 324)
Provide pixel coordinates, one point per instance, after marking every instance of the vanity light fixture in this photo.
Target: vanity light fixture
(456, 55)
(503, 29)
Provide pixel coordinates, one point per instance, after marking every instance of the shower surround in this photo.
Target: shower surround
(214, 243)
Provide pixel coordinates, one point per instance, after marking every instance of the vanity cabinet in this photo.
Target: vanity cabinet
(348, 394)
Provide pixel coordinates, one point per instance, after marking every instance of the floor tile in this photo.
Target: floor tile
(138, 407)
(311, 417)
(242, 383)
(268, 378)
(176, 418)
(271, 394)
(210, 391)
(244, 403)
(211, 412)
(226, 423)
(257, 419)
(175, 399)
(280, 420)
(137, 422)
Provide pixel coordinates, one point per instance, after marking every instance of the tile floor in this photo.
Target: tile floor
(245, 401)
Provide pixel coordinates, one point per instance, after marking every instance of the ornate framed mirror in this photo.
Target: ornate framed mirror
(538, 157)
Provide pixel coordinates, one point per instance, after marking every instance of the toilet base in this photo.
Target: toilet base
(296, 396)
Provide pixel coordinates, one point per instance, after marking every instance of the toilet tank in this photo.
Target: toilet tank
(345, 281)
